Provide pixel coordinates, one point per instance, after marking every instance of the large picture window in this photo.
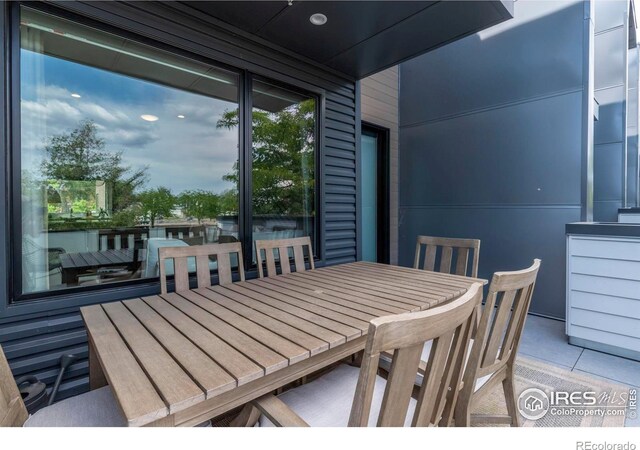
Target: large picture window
(122, 152)
(283, 163)
(125, 148)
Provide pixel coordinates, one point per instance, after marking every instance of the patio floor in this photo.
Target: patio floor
(544, 339)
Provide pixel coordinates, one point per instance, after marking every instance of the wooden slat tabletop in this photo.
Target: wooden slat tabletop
(101, 258)
(174, 358)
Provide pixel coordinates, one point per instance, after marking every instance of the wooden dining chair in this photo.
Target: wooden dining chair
(450, 250)
(325, 401)
(97, 408)
(282, 246)
(201, 254)
(495, 345)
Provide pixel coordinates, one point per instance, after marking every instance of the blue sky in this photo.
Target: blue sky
(189, 153)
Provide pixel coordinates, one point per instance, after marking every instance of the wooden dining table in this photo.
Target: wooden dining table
(180, 359)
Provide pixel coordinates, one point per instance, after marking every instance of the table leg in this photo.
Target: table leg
(96, 375)
(70, 277)
(248, 417)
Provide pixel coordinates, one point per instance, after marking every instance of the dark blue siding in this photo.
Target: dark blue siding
(491, 143)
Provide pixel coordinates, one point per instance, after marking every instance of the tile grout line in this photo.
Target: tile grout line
(577, 360)
(614, 380)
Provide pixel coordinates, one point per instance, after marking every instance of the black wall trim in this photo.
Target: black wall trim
(383, 136)
(5, 240)
(358, 170)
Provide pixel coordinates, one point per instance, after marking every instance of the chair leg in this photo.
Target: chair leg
(510, 397)
(248, 417)
(446, 420)
(462, 415)
(462, 419)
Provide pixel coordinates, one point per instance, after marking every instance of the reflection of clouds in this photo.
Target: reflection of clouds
(189, 153)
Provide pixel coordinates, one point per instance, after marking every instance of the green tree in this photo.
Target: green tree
(199, 204)
(80, 155)
(283, 169)
(156, 202)
(228, 202)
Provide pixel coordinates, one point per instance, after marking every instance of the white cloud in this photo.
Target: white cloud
(189, 153)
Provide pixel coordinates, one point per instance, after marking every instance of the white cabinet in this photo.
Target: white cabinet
(603, 293)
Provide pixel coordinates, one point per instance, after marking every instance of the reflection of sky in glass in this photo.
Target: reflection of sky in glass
(189, 153)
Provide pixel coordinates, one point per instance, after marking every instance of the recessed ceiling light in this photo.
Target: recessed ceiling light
(180, 116)
(76, 95)
(318, 19)
(149, 117)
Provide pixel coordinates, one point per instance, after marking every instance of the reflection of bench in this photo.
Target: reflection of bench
(75, 265)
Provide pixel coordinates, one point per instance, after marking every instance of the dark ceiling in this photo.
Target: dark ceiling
(360, 37)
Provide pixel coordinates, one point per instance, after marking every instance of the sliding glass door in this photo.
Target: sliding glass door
(374, 194)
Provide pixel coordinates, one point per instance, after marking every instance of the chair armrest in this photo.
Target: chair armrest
(278, 412)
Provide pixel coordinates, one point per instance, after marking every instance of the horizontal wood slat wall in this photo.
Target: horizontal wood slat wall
(379, 106)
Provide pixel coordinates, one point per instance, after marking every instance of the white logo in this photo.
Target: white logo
(533, 404)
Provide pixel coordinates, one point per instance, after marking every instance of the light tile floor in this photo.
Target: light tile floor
(545, 339)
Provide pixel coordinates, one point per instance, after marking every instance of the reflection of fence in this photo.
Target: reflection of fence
(121, 238)
(100, 239)
(271, 222)
(126, 238)
(180, 232)
(137, 237)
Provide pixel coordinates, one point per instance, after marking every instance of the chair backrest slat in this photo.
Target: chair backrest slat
(462, 261)
(298, 258)
(180, 271)
(429, 406)
(449, 327)
(501, 324)
(498, 325)
(445, 259)
(449, 248)
(224, 268)
(12, 410)
(520, 310)
(283, 246)
(202, 270)
(201, 254)
(395, 402)
(285, 264)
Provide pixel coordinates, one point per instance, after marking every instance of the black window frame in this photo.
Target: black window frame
(78, 296)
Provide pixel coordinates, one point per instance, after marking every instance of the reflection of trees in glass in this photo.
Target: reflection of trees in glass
(199, 204)
(156, 202)
(87, 186)
(228, 202)
(283, 158)
(80, 155)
